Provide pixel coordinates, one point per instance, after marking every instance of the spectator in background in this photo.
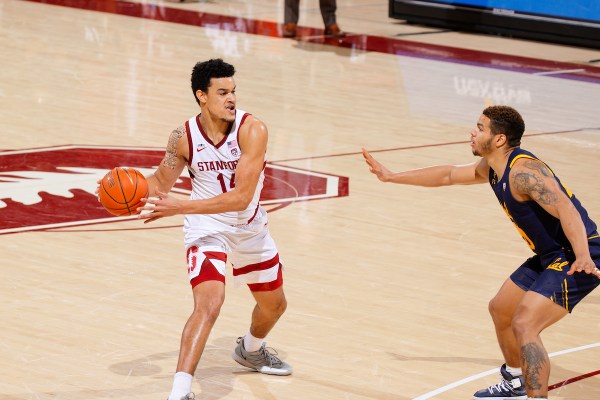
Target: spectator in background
(328, 8)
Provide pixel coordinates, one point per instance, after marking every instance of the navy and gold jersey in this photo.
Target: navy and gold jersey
(542, 232)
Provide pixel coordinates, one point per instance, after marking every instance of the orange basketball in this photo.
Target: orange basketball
(121, 190)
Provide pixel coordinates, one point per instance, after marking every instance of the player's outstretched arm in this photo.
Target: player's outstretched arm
(434, 176)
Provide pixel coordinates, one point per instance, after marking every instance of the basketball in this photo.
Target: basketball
(121, 190)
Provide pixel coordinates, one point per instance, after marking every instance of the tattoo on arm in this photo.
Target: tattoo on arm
(532, 184)
(535, 363)
(538, 166)
(170, 160)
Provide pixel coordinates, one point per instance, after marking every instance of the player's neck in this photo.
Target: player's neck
(498, 159)
(215, 129)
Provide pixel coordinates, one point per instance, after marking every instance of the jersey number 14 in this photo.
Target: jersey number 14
(221, 180)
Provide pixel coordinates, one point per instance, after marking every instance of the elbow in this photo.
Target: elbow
(240, 206)
(241, 203)
(154, 182)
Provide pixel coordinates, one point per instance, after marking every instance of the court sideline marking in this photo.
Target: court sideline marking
(495, 370)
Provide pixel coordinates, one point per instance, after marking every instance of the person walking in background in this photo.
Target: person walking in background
(292, 14)
(551, 220)
(224, 150)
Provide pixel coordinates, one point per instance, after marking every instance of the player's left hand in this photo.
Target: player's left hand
(585, 264)
(158, 207)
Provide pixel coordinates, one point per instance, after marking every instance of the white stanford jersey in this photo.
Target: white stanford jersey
(212, 169)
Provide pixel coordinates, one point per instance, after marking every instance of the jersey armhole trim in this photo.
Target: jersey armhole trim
(190, 143)
(237, 134)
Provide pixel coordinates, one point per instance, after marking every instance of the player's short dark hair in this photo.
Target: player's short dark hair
(204, 71)
(506, 120)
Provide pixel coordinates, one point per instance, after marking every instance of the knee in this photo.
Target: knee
(498, 311)
(521, 326)
(276, 308)
(209, 310)
(279, 307)
(282, 306)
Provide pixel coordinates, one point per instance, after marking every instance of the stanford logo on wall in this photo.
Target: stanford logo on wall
(55, 187)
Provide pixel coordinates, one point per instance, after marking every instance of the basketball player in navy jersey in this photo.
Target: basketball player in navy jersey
(547, 286)
(224, 149)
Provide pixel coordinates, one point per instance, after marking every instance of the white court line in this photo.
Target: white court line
(495, 370)
(560, 71)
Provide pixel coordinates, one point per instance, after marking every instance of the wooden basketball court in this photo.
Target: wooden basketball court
(387, 285)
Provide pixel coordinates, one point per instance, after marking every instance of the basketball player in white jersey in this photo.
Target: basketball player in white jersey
(224, 150)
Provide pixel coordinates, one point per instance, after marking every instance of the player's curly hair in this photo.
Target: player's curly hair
(204, 71)
(508, 121)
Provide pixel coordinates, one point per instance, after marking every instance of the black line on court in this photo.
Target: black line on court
(423, 33)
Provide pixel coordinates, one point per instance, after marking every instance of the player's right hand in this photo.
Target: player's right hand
(376, 168)
(98, 189)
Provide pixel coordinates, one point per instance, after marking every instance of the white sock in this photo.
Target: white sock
(514, 371)
(182, 385)
(252, 343)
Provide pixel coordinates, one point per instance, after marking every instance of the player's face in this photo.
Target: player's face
(482, 137)
(220, 99)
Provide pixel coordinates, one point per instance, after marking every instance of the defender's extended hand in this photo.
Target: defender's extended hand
(382, 173)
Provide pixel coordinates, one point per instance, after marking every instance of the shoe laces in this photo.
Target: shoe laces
(504, 385)
(267, 354)
(270, 355)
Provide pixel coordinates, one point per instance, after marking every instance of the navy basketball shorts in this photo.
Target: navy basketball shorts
(551, 279)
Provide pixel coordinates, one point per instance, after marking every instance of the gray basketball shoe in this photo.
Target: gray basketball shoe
(189, 396)
(261, 360)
